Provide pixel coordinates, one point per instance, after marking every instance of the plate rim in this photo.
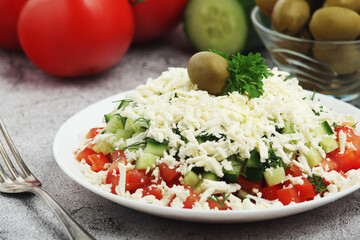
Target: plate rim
(196, 215)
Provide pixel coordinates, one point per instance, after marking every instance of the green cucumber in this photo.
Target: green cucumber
(145, 161)
(288, 128)
(108, 116)
(116, 122)
(198, 170)
(155, 147)
(191, 179)
(124, 103)
(210, 176)
(233, 175)
(329, 144)
(222, 25)
(102, 147)
(323, 129)
(253, 167)
(313, 157)
(124, 134)
(205, 175)
(274, 176)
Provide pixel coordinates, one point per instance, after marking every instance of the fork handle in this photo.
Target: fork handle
(74, 230)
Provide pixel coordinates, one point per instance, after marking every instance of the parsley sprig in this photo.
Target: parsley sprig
(218, 201)
(246, 73)
(318, 182)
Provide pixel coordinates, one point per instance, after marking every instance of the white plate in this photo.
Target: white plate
(68, 137)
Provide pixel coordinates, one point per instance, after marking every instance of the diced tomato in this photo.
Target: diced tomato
(118, 155)
(248, 186)
(288, 195)
(136, 178)
(293, 170)
(350, 159)
(167, 173)
(173, 182)
(172, 198)
(213, 205)
(84, 154)
(153, 190)
(305, 191)
(192, 199)
(97, 162)
(269, 193)
(113, 178)
(93, 132)
(328, 165)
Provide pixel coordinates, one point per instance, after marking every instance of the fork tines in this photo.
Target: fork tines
(14, 173)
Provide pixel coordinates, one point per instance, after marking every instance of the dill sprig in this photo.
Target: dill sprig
(246, 73)
(318, 182)
(210, 137)
(143, 120)
(274, 160)
(135, 146)
(218, 201)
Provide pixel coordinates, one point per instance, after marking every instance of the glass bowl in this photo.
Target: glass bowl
(331, 68)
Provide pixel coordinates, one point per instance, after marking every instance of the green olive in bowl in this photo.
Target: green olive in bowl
(266, 6)
(290, 16)
(208, 71)
(335, 24)
(342, 59)
(350, 4)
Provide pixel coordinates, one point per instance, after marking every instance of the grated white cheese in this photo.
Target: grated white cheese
(179, 113)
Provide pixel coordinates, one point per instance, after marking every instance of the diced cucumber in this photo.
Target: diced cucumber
(156, 148)
(103, 147)
(210, 176)
(288, 128)
(133, 125)
(191, 179)
(124, 103)
(108, 116)
(222, 25)
(197, 170)
(253, 168)
(274, 176)
(122, 133)
(128, 125)
(198, 188)
(233, 175)
(313, 157)
(329, 144)
(242, 194)
(114, 124)
(323, 129)
(146, 160)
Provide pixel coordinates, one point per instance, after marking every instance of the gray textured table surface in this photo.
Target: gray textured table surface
(34, 105)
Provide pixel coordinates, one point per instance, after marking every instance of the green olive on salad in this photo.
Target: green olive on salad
(219, 73)
(208, 71)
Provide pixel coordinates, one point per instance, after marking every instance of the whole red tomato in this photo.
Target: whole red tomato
(72, 38)
(154, 18)
(9, 14)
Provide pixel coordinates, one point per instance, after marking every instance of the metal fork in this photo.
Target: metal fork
(27, 182)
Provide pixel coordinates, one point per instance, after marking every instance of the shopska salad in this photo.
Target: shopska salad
(225, 135)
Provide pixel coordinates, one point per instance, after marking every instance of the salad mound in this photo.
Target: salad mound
(170, 144)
